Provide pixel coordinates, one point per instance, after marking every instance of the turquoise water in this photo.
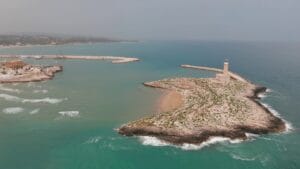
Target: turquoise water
(107, 95)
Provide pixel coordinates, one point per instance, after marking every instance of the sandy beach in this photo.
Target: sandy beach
(169, 101)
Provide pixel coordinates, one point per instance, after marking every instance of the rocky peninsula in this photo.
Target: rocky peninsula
(17, 71)
(113, 59)
(223, 106)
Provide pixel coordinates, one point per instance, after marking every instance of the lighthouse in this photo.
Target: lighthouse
(226, 68)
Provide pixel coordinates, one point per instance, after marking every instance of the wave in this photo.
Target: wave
(13, 110)
(8, 97)
(262, 95)
(153, 141)
(93, 140)
(237, 157)
(40, 91)
(251, 135)
(44, 100)
(210, 141)
(289, 127)
(6, 89)
(35, 111)
(69, 113)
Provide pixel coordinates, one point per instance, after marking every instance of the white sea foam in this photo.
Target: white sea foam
(40, 91)
(69, 113)
(236, 141)
(153, 141)
(251, 135)
(238, 157)
(269, 90)
(44, 100)
(288, 125)
(210, 141)
(8, 97)
(93, 140)
(35, 111)
(262, 95)
(13, 110)
(6, 89)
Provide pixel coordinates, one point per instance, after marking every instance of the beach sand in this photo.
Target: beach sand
(169, 101)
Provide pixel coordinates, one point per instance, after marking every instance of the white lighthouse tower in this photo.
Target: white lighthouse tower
(226, 68)
(224, 76)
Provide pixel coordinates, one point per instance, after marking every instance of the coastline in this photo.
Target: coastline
(113, 59)
(20, 72)
(47, 73)
(261, 122)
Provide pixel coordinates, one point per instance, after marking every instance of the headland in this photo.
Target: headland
(223, 106)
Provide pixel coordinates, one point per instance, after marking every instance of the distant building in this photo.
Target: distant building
(15, 64)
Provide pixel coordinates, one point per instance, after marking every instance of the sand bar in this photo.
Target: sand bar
(113, 59)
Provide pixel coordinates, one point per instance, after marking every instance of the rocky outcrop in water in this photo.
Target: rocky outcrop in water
(19, 71)
(212, 107)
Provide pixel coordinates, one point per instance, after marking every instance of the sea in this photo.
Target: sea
(70, 122)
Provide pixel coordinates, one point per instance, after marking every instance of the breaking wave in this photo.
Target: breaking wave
(35, 111)
(69, 113)
(40, 91)
(93, 140)
(44, 100)
(153, 141)
(8, 97)
(288, 125)
(269, 90)
(6, 89)
(13, 110)
(210, 141)
(237, 157)
(262, 95)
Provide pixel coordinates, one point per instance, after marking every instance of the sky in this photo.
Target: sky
(245, 20)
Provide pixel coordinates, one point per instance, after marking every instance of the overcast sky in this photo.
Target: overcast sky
(268, 20)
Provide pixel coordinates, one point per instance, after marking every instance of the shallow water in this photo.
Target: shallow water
(69, 122)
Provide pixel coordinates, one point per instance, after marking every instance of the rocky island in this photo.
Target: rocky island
(18, 71)
(223, 106)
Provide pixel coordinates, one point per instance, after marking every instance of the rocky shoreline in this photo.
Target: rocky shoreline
(21, 72)
(197, 121)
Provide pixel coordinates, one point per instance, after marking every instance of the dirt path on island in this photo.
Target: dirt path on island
(169, 101)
